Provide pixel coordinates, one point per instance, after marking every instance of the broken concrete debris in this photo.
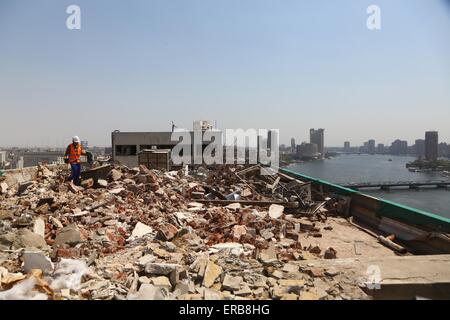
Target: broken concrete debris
(28, 239)
(330, 253)
(276, 211)
(115, 174)
(231, 283)
(69, 235)
(225, 232)
(140, 230)
(36, 260)
(39, 227)
(102, 183)
(212, 272)
(3, 187)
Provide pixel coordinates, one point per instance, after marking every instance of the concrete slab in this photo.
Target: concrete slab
(346, 239)
(398, 277)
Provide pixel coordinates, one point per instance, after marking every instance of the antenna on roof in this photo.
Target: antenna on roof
(173, 126)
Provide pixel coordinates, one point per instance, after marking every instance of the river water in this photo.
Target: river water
(345, 169)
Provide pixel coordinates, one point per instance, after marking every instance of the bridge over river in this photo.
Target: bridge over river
(398, 184)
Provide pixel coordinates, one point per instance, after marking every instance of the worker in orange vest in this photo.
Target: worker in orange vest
(73, 156)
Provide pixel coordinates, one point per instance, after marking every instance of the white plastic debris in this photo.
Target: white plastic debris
(68, 274)
(23, 291)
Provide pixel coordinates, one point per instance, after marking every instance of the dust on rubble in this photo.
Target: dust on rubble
(224, 232)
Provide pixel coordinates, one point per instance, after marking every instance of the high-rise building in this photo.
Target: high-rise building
(431, 145)
(317, 137)
(307, 151)
(443, 149)
(292, 144)
(272, 137)
(380, 148)
(346, 146)
(269, 139)
(19, 163)
(399, 147)
(420, 148)
(365, 147)
(2, 157)
(371, 146)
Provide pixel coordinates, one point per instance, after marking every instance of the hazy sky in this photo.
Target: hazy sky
(287, 64)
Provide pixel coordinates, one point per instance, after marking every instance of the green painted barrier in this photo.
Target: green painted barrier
(385, 208)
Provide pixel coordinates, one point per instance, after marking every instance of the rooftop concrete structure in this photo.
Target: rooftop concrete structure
(400, 277)
(127, 145)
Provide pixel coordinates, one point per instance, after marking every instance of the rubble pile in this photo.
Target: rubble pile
(226, 232)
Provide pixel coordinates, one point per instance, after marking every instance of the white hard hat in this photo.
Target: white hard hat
(76, 139)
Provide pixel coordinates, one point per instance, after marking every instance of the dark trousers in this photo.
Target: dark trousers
(75, 173)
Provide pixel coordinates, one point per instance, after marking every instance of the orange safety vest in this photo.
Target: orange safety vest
(74, 153)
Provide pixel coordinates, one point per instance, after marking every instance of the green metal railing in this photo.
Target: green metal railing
(384, 208)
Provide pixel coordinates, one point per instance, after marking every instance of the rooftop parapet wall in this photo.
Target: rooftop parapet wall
(383, 208)
(13, 177)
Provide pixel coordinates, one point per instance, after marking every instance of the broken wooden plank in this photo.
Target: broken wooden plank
(246, 170)
(320, 205)
(390, 244)
(96, 173)
(273, 185)
(293, 204)
(96, 206)
(292, 179)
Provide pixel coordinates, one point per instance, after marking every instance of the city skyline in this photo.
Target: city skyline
(288, 142)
